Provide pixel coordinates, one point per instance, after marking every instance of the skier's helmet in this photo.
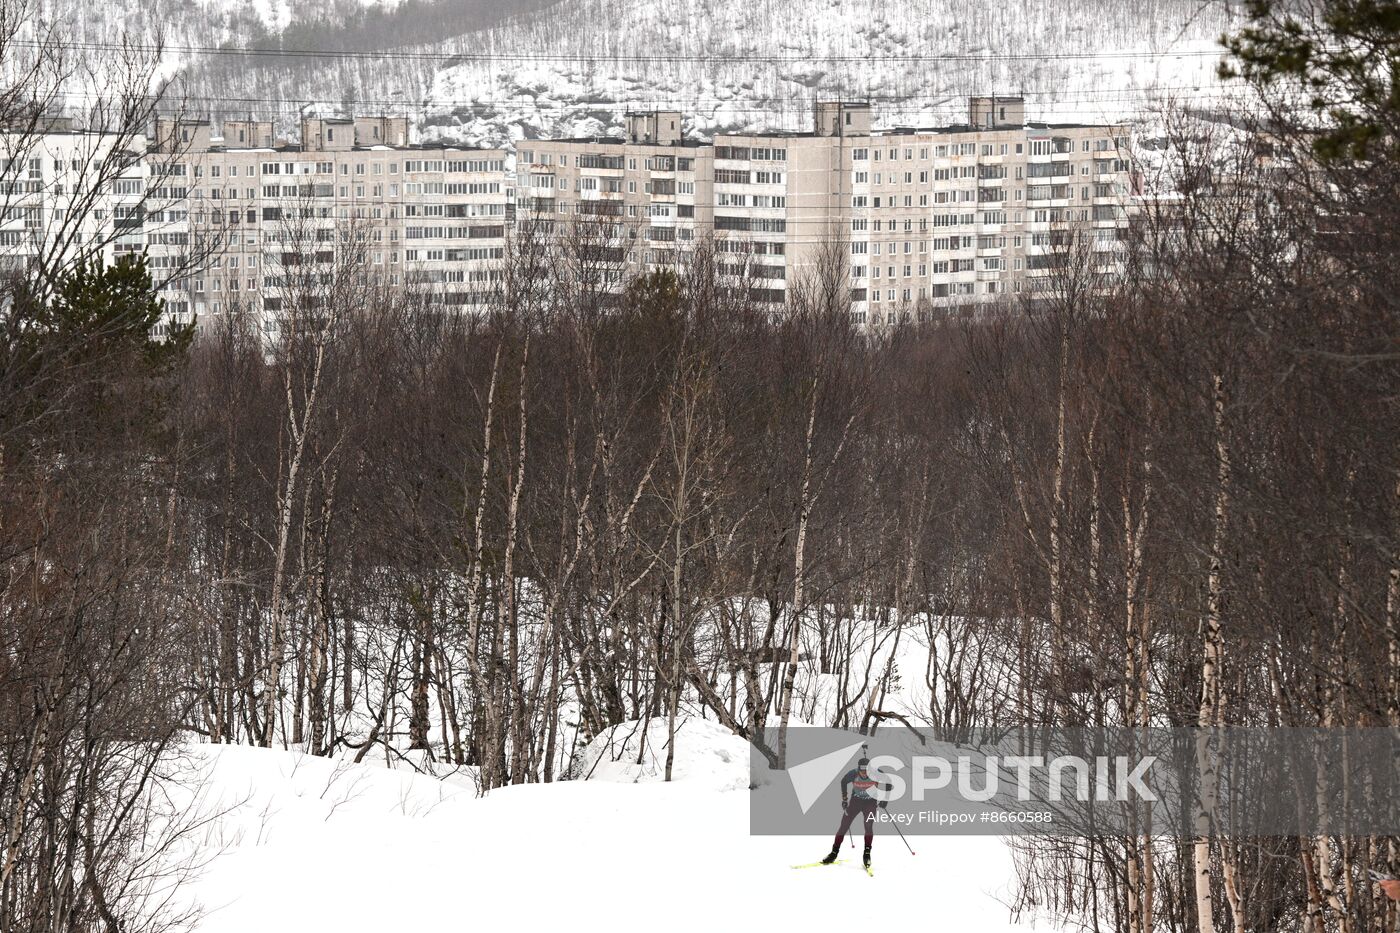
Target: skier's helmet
(862, 763)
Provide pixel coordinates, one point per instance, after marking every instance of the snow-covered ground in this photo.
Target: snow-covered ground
(291, 842)
(576, 66)
(306, 843)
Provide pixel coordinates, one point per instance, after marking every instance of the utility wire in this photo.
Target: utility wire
(708, 57)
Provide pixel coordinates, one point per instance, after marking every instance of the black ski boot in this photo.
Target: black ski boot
(831, 856)
(867, 858)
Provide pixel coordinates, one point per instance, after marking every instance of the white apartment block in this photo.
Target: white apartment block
(975, 212)
(354, 197)
(913, 218)
(923, 217)
(781, 204)
(642, 202)
(68, 194)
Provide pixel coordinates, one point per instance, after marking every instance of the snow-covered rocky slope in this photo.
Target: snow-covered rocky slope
(753, 65)
(572, 67)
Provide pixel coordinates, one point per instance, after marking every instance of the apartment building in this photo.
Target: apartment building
(782, 199)
(974, 212)
(914, 218)
(923, 217)
(250, 215)
(641, 201)
(66, 193)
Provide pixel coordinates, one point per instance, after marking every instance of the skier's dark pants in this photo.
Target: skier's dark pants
(863, 807)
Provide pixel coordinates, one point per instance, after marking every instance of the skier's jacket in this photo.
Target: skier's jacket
(858, 784)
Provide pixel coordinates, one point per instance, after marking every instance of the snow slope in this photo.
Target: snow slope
(314, 844)
(709, 755)
(574, 67)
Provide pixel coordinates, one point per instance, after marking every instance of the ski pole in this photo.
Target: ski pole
(864, 752)
(902, 839)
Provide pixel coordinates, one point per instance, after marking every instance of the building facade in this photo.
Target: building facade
(920, 218)
(908, 219)
(254, 219)
(641, 202)
(68, 194)
(976, 212)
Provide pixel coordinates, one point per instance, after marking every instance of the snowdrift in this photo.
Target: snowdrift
(706, 755)
(296, 843)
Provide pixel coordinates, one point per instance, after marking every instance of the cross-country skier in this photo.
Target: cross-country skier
(856, 786)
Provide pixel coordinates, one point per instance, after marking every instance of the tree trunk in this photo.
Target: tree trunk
(1212, 655)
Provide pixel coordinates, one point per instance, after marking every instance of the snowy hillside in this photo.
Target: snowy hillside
(754, 65)
(300, 842)
(284, 841)
(202, 23)
(486, 72)
(491, 71)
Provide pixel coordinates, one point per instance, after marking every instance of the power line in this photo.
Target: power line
(949, 101)
(707, 58)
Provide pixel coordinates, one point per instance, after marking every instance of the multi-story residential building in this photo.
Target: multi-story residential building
(67, 193)
(782, 199)
(641, 202)
(910, 219)
(353, 198)
(921, 218)
(973, 212)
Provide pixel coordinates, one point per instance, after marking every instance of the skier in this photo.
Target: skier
(857, 800)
